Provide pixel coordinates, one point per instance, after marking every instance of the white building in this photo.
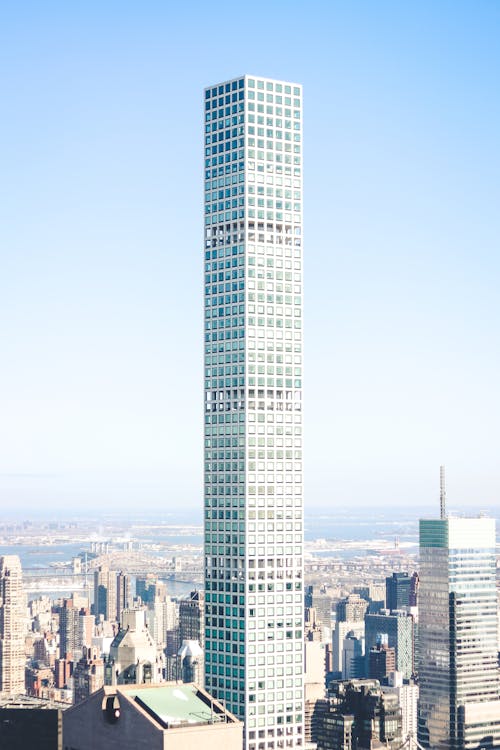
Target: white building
(408, 700)
(314, 663)
(190, 662)
(353, 657)
(253, 406)
(12, 626)
(342, 628)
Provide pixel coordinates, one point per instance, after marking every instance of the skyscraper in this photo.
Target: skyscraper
(322, 603)
(191, 618)
(111, 593)
(397, 630)
(397, 591)
(123, 593)
(351, 609)
(69, 622)
(12, 626)
(459, 704)
(105, 595)
(253, 406)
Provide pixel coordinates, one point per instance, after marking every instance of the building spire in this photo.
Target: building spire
(442, 492)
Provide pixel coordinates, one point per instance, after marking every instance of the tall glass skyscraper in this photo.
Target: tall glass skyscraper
(459, 704)
(253, 406)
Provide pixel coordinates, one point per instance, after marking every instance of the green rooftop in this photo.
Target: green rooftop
(175, 704)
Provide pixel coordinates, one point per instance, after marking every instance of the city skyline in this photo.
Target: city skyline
(400, 217)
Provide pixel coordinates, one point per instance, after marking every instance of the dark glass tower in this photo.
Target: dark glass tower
(397, 590)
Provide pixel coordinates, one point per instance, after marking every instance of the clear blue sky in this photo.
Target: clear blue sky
(101, 252)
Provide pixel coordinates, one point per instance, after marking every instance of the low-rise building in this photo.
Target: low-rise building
(153, 717)
(27, 722)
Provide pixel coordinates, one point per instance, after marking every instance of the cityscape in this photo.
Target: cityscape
(250, 618)
(105, 605)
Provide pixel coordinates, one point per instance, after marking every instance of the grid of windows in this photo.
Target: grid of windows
(253, 406)
(459, 705)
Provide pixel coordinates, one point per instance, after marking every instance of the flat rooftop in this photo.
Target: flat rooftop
(28, 701)
(177, 704)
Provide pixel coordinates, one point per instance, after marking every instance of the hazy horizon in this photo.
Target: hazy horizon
(42, 493)
(101, 330)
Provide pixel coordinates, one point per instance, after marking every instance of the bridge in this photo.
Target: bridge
(65, 579)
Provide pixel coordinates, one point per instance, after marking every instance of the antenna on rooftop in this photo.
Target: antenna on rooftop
(442, 492)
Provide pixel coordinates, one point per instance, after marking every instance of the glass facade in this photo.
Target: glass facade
(253, 406)
(459, 704)
(398, 628)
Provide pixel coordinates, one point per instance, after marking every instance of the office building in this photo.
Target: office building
(351, 609)
(253, 406)
(28, 722)
(353, 657)
(191, 655)
(315, 708)
(413, 597)
(63, 671)
(105, 594)
(342, 628)
(381, 661)
(150, 589)
(191, 618)
(86, 623)
(459, 705)
(374, 594)
(328, 659)
(111, 593)
(396, 629)
(314, 678)
(69, 628)
(12, 626)
(314, 663)
(318, 600)
(155, 620)
(123, 594)
(88, 674)
(407, 693)
(397, 591)
(359, 715)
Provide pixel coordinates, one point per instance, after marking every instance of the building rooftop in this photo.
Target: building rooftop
(29, 701)
(173, 715)
(174, 704)
(177, 704)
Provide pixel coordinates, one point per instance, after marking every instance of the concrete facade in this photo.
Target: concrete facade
(12, 626)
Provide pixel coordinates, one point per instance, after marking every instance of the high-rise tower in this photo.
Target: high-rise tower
(397, 590)
(12, 626)
(253, 406)
(459, 704)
